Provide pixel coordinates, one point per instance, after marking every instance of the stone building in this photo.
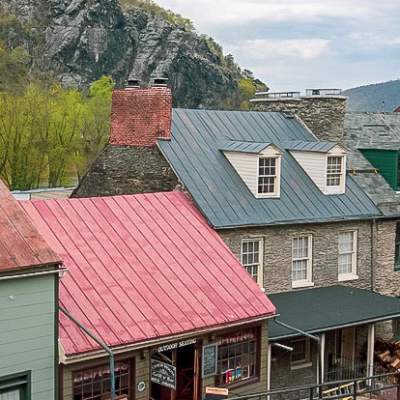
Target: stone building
(282, 201)
(160, 291)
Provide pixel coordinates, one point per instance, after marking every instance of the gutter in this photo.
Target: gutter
(61, 272)
(292, 328)
(90, 355)
(99, 342)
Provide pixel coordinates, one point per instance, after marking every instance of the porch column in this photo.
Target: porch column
(269, 368)
(370, 350)
(321, 369)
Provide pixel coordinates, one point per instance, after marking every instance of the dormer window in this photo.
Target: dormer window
(267, 177)
(324, 162)
(334, 171)
(258, 165)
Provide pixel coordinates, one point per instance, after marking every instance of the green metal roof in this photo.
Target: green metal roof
(322, 146)
(244, 147)
(222, 196)
(333, 307)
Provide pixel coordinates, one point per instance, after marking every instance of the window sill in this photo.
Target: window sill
(302, 284)
(248, 381)
(347, 277)
(302, 365)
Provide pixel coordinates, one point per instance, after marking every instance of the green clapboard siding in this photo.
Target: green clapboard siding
(386, 162)
(27, 332)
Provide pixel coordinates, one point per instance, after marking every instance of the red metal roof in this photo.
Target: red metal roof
(141, 267)
(21, 245)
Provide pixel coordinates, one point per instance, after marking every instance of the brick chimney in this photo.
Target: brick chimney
(139, 117)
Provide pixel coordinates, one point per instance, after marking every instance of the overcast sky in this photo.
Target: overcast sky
(299, 44)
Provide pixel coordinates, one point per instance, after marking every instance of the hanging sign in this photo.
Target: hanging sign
(164, 374)
(209, 360)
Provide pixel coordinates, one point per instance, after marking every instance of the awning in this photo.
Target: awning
(328, 308)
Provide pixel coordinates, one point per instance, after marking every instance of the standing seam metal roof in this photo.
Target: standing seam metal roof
(221, 194)
(143, 267)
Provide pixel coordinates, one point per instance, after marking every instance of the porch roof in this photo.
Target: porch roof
(328, 308)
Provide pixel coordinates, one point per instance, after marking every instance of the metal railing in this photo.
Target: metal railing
(386, 386)
(278, 95)
(346, 369)
(323, 92)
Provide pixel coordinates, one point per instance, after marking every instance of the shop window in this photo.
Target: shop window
(94, 383)
(237, 357)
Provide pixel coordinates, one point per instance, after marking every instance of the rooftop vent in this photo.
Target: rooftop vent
(160, 82)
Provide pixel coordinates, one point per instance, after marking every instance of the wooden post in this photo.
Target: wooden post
(322, 358)
(269, 369)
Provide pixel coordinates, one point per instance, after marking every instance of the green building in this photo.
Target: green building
(29, 274)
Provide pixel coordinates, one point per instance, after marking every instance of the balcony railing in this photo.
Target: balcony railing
(323, 92)
(382, 387)
(278, 95)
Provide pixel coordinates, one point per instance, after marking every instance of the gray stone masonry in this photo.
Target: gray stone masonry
(127, 170)
(323, 115)
(277, 258)
(386, 278)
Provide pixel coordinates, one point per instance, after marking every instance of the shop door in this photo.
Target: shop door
(185, 366)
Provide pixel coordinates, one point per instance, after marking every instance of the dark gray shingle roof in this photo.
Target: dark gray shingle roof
(221, 194)
(367, 130)
(328, 308)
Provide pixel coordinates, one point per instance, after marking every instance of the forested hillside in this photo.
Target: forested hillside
(59, 61)
(378, 97)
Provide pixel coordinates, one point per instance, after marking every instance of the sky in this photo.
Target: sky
(292, 45)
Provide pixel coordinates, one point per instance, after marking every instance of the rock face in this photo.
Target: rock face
(85, 39)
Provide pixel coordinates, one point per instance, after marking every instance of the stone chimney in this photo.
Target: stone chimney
(140, 116)
(322, 110)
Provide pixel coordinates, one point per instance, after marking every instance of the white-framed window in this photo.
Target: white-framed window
(300, 357)
(252, 256)
(334, 171)
(302, 261)
(268, 176)
(347, 259)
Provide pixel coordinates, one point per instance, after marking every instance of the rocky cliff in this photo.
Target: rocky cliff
(81, 40)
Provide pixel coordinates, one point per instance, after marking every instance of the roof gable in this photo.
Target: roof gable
(143, 267)
(221, 194)
(21, 245)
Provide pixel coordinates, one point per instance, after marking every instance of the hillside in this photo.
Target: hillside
(78, 41)
(377, 97)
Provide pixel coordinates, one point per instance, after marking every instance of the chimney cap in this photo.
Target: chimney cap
(132, 83)
(160, 81)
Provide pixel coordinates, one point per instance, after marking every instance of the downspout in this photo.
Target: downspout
(99, 342)
(373, 247)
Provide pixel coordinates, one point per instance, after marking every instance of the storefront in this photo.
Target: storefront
(176, 370)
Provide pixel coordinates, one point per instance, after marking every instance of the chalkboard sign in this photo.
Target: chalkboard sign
(209, 360)
(164, 374)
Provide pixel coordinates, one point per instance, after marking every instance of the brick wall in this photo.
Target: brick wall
(278, 252)
(140, 116)
(127, 170)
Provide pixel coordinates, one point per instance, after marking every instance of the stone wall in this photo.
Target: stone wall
(127, 170)
(386, 278)
(323, 115)
(278, 252)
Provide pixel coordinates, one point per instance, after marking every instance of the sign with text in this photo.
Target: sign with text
(209, 360)
(164, 374)
(172, 346)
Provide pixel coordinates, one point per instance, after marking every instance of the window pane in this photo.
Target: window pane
(299, 270)
(345, 263)
(251, 257)
(345, 242)
(300, 247)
